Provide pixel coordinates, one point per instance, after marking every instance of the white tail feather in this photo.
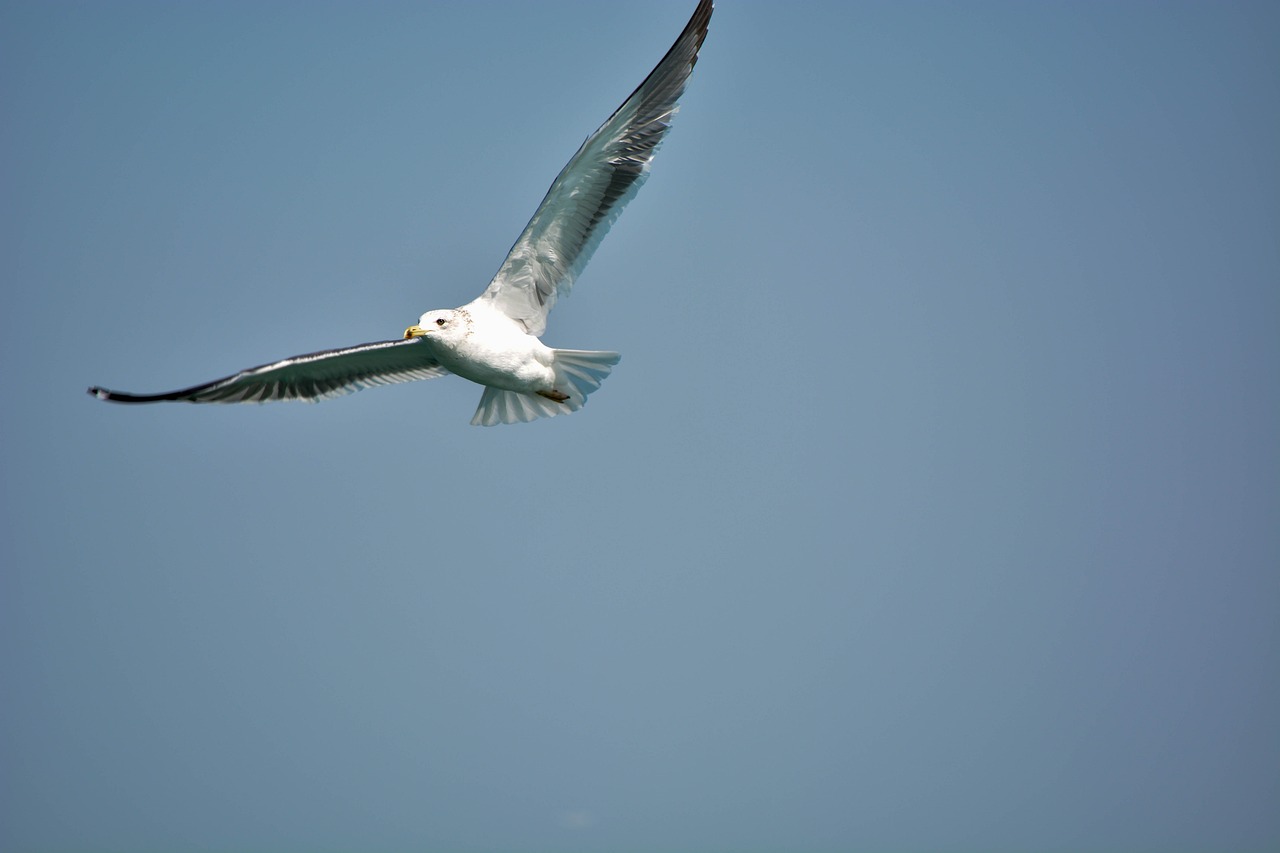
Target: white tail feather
(578, 373)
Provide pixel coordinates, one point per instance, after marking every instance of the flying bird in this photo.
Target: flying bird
(494, 340)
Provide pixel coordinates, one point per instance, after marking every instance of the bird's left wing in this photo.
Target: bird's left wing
(592, 189)
(312, 377)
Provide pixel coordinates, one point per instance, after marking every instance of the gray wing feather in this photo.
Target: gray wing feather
(592, 189)
(313, 377)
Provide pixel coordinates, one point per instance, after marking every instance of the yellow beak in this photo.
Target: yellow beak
(414, 332)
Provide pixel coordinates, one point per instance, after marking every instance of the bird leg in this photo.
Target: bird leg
(553, 394)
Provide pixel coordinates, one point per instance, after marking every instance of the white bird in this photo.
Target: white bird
(494, 339)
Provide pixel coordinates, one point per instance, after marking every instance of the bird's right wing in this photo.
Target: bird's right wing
(312, 377)
(589, 193)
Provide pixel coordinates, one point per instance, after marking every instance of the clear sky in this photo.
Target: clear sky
(933, 506)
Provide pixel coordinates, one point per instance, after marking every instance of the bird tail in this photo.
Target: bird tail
(578, 373)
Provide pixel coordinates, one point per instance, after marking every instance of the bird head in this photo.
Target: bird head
(437, 324)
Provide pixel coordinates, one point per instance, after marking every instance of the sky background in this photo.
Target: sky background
(933, 506)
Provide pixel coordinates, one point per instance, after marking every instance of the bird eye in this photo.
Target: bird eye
(440, 321)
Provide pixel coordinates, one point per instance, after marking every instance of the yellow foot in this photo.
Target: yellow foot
(553, 394)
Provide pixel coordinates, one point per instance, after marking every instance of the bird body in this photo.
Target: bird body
(479, 343)
(494, 340)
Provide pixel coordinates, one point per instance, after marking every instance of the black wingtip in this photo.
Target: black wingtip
(121, 397)
(109, 395)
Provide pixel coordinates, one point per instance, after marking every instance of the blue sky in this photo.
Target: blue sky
(933, 505)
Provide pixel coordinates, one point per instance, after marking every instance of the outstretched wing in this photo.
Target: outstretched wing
(312, 377)
(592, 189)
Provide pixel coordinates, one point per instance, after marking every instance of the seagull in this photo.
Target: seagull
(494, 340)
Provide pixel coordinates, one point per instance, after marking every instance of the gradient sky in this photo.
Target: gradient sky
(933, 506)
